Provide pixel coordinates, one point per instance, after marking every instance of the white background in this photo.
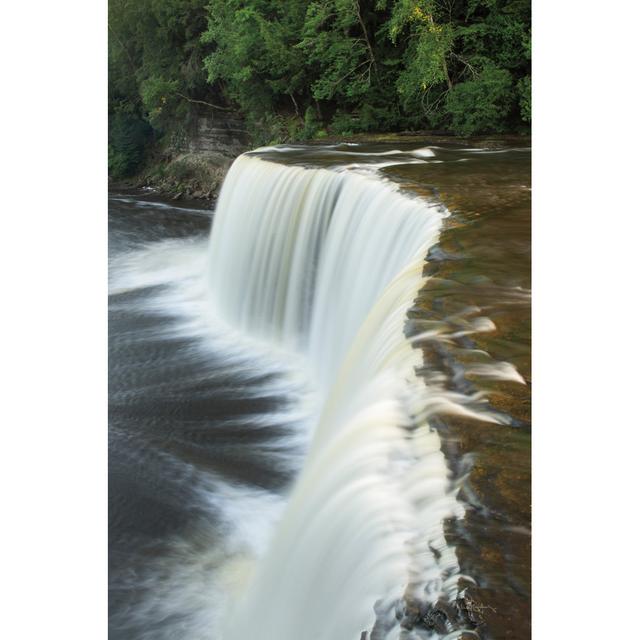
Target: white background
(53, 253)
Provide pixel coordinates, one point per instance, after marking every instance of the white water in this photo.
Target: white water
(308, 276)
(326, 265)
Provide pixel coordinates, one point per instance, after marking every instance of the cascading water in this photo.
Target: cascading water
(272, 373)
(327, 264)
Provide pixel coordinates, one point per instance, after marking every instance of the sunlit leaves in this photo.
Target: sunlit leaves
(427, 45)
(334, 46)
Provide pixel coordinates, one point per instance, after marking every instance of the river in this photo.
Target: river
(319, 398)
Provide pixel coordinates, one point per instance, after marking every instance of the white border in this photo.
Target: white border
(585, 283)
(53, 266)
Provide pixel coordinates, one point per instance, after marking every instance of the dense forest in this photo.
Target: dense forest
(298, 70)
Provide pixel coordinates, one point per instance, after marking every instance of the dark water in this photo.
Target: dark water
(185, 420)
(182, 426)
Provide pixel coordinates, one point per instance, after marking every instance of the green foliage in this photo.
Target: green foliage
(343, 124)
(482, 104)
(336, 48)
(155, 66)
(295, 69)
(524, 89)
(425, 56)
(158, 41)
(180, 170)
(159, 99)
(374, 64)
(128, 138)
(254, 54)
(312, 123)
(274, 128)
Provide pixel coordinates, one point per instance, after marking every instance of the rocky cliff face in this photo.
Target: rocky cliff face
(217, 133)
(193, 164)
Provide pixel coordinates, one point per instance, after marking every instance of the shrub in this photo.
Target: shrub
(128, 138)
(524, 89)
(343, 124)
(312, 124)
(481, 105)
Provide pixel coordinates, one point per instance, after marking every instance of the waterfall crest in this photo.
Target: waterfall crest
(326, 264)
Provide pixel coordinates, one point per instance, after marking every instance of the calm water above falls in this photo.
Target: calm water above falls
(295, 399)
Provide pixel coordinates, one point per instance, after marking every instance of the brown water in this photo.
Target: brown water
(480, 267)
(483, 260)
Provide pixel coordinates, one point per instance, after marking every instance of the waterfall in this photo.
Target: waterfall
(325, 264)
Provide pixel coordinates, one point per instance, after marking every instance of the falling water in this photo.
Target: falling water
(318, 492)
(327, 263)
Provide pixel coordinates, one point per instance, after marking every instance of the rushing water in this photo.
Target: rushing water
(282, 391)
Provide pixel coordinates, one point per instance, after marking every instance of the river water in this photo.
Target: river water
(320, 411)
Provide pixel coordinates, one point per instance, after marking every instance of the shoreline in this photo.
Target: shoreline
(199, 175)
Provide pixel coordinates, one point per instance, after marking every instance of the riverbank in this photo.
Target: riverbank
(185, 176)
(198, 174)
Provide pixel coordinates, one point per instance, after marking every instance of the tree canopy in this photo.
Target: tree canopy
(297, 69)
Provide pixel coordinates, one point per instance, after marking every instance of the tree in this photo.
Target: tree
(293, 68)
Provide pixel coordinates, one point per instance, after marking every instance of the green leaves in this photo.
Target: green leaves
(481, 105)
(335, 50)
(376, 63)
(128, 137)
(159, 98)
(524, 89)
(294, 68)
(254, 55)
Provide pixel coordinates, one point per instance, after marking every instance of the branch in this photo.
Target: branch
(344, 77)
(427, 109)
(117, 37)
(295, 104)
(372, 57)
(206, 104)
(474, 73)
(445, 69)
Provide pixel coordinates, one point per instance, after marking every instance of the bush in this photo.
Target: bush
(343, 124)
(180, 170)
(481, 105)
(128, 138)
(312, 124)
(524, 89)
